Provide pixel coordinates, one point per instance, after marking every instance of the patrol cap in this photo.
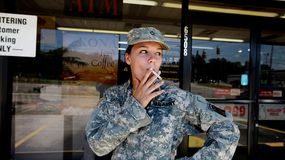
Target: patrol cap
(146, 34)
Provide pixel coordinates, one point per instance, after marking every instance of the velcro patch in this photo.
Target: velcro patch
(217, 109)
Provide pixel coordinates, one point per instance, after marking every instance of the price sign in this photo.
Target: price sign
(239, 111)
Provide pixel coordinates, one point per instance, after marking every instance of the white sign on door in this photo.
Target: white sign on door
(18, 35)
(271, 111)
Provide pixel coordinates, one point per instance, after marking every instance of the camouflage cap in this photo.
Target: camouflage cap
(146, 34)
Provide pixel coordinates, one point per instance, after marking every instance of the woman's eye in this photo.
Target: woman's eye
(143, 52)
(158, 53)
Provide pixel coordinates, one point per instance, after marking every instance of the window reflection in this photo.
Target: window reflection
(55, 93)
(218, 68)
(271, 109)
(272, 81)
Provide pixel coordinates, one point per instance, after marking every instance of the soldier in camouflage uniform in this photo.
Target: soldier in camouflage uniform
(146, 120)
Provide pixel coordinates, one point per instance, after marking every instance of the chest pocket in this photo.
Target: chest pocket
(163, 123)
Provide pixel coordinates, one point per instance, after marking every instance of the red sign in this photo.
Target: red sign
(270, 93)
(94, 8)
(222, 92)
(266, 93)
(239, 111)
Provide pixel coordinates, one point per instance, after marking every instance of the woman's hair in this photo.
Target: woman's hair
(129, 49)
(127, 74)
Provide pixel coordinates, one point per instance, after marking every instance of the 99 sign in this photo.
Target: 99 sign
(237, 111)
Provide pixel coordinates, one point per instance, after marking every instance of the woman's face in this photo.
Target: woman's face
(143, 56)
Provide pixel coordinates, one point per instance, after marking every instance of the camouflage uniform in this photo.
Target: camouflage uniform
(121, 124)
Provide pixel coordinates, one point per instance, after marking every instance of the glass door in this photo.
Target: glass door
(220, 59)
(271, 118)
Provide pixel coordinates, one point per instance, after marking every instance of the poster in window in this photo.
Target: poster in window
(90, 57)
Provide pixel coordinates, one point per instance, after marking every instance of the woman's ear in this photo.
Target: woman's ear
(128, 58)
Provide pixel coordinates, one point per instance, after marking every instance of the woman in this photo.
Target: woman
(147, 119)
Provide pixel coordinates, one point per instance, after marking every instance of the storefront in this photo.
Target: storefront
(237, 61)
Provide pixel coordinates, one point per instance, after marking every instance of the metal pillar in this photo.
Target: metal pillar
(5, 109)
(185, 62)
(186, 48)
(6, 80)
(254, 71)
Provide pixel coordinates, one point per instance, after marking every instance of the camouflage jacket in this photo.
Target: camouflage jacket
(120, 124)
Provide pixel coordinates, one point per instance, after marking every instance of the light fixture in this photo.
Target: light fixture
(171, 5)
(91, 30)
(222, 10)
(233, 11)
(282, 16)
(193, 37)
(109, 31)
(171, 36)
(123, 42)
(227, 40)
(201, 38)
(122, 49)
(202, 47)
(141, 2)
(74, 29)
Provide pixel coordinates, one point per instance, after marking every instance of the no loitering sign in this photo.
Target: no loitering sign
(18, 35)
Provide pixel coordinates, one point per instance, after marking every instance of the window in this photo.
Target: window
(272, 87)
(219, 63)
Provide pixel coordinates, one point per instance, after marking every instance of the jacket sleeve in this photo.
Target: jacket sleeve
(222, 133)
(112, 122)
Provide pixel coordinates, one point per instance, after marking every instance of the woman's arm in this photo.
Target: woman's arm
(111, 123)
(222, 133)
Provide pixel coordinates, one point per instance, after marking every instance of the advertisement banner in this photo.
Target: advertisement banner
(90, 57)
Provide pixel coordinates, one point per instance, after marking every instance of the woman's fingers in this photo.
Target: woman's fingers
(147, 88)
(155, 86)
(153, 94)
(150, 81)
(146, 77)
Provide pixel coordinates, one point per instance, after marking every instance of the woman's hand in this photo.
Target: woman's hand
(146, 89)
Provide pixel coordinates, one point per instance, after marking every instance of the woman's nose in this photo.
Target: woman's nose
(151, 59)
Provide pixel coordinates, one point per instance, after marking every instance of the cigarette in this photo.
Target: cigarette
(158, 76)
